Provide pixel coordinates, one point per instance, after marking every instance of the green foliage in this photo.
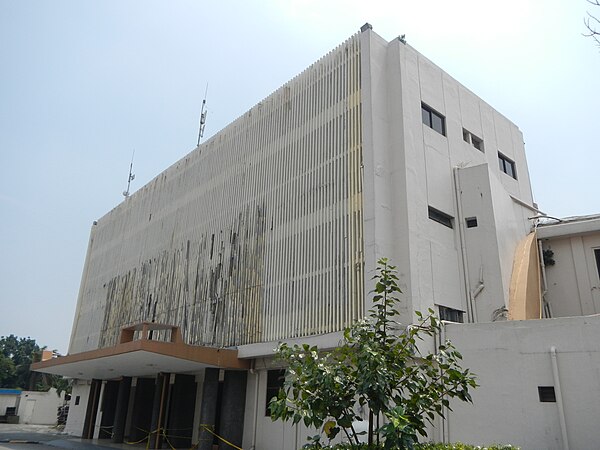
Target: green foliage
(16, 356)
(379, 367)
(459, 446)
(425, 446)
(21, 352)
(8, 371)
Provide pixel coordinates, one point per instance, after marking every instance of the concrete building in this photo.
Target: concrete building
(270, 231)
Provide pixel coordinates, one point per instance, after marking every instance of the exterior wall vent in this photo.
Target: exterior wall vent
(547, 394)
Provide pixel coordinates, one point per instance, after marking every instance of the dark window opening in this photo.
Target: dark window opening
(466, 136)
(547, 394)
(440, 217)
(433, 119)
(507, 166)
(451, 314)
(77, 400)
(275, 379)
(471, 222)
(597, 256)
(475, 141)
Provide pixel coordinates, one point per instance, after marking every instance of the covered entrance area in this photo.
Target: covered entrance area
(158, 393)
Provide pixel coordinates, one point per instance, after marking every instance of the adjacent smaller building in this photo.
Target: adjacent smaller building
(30, 407)
(571, 269)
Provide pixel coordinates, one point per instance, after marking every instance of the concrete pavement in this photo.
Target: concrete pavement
(21, 436)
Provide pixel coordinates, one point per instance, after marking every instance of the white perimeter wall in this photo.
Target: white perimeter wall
(511, 359)
(40, 408)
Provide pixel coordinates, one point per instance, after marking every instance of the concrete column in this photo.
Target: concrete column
(109, 403)
(208, 409)
(92, 409)
(161, 391)
(181, 411)
(233, 403)
(121, 410)
(141, 410)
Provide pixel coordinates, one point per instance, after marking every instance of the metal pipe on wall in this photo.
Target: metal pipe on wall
(559, 399)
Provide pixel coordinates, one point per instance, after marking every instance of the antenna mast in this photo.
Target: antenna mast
(131, 176)
(202, 117)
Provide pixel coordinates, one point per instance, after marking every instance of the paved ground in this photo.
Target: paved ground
(43, 437)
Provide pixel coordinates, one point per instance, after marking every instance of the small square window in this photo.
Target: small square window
(433, 119)
(471, 222)
(475, 141)
(547, 394)
(440, 217)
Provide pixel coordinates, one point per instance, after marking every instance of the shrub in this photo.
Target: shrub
(378, 366)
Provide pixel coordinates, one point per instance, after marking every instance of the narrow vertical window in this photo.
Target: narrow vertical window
(275, 379)
(507, 165)
(597, 256)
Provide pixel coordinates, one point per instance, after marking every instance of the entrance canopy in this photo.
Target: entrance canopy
(142, 357)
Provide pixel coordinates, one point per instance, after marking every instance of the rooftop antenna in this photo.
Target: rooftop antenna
(202, 117)
(131, 176)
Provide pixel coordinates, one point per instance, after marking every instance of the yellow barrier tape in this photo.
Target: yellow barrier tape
(207, 428)
(162, 432)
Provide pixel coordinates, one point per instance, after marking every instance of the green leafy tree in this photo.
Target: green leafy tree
(7, 371)
(378, 367)
(16, 356)
(21, 351)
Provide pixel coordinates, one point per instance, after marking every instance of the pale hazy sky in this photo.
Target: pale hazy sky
(85, 83)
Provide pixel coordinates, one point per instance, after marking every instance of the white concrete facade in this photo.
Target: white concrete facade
(410, 167)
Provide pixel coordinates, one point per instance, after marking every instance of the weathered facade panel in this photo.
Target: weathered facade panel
(254, 236)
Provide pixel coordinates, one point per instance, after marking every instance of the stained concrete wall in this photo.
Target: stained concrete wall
(511, 359)
(249, 237)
